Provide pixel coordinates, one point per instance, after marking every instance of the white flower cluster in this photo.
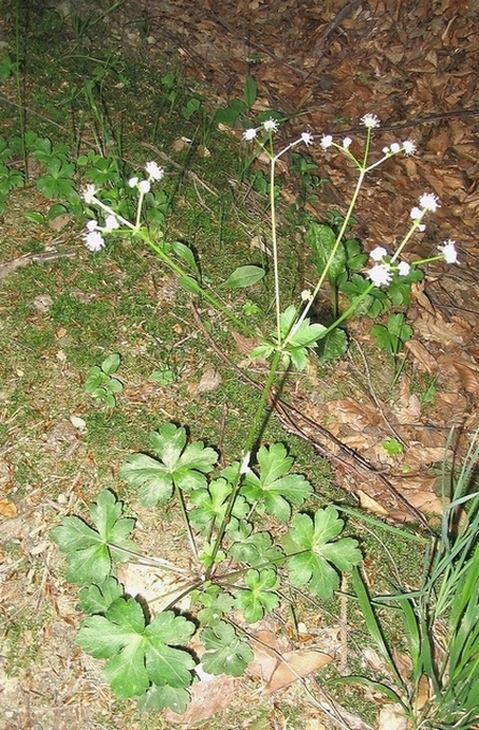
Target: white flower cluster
(381, 274)
(271, 126)
(408, 146)
(93, 237)
(428, 202)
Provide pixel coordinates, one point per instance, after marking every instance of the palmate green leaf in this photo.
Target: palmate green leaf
(215, 601)
(315, 555)
(274, 489)
(259, 596)
(253, 548)
(211, 504)
(382, 337)
(334, 345)
(167, 665)
(89, 551)
(159, 698)
(229, 655)
(98, 598)
(176, 464)
(138, 655)
(298, 339)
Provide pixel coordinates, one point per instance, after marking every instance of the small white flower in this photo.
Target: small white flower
(306, 295)
(380, 275)
(448, 250)
(144, 186)
(347, 142)
(429, 201)
(421, 228)
(93, 240)
(416, 213)
(92, 225)
(89, 193)
(270, 125)
(307, 138)
(395, 148)
(386, 151)
(154, 171)
(326, 141)
(111, 222)
(403, 268)
(133, 182)
(378, 253)
(249, 134)
(370, 121)
(409, 147)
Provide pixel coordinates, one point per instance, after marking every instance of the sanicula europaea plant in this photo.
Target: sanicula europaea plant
(231, 515)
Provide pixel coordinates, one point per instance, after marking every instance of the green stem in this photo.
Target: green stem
(327, 266)
(272, 173)
(182, 273)
(256, 429)
(349, 311)
(202, 292)
(415, 225)
(184, 514)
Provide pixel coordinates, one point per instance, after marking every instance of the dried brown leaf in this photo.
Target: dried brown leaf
(293, 666)
(371, 505)
(8, 509)
(467, 370)
(421, 356)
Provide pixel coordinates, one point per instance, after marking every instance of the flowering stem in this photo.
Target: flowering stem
(253, 437)
(274, 240)
(407, 237)
(339, 238)
(138, 210)
(214, 301)
(110, 211)
(349, 311)
(420, 262)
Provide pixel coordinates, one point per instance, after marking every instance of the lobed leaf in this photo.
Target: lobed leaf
(315, 551)
(274, 487)
(229, 655)
(175, 464)
(98, 598)
(259, 596)
(159, 698)
(138, 655)
(90, 551)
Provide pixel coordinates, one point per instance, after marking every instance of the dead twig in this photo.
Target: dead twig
(9, 267)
